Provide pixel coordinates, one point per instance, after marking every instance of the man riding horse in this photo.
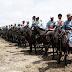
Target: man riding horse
(51, 24)
(68, 29)
(60, 22)
(36, 22)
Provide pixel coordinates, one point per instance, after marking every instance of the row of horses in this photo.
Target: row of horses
(56, 39)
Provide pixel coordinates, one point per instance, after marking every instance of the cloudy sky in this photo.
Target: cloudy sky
(15, 11)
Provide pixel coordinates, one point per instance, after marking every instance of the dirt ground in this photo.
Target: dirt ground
(18, 59)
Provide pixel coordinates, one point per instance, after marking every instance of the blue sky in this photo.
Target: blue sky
(15, 11)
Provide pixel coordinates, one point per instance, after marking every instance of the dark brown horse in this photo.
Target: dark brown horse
(46, 38)
(57, 39)
(60, 42)
(30, 37)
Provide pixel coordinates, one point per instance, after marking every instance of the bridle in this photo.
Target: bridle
(60, 35)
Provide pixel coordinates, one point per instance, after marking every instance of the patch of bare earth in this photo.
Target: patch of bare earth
(18, 59)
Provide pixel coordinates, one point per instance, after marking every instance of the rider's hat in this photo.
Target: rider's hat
(51, 17)
(69, 15)
(34, 17)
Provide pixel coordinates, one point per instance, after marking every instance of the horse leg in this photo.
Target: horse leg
(68, 50)
(42, 49)
(30, 47)
(53, 51)
(57, 52)
(59, 57)
(19, 44)
(65, 57)
(46, 49)
(35, 48)
(25, 44)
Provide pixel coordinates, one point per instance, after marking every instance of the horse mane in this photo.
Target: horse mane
(41, 29)
(25, 27)
(60, 29)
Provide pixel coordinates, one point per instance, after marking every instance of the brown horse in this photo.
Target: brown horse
(60, 42)
(30, 37)
(57, 39)
(46, 38)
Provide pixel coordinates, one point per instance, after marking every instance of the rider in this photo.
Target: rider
(67, 27)
(67, 24)
(71, 17)
(28, 24)
(51, 24)
(39, 22)
(11, 26)
(7, 28)
(19, 26)
(15, 26)
(33, 21)
(23, 23)
(36, 22)
(60, 22)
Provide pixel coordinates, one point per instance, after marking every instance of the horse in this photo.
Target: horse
(46, 38)
(21, 38)
(30, 37)
(14, 35)
(60, 42)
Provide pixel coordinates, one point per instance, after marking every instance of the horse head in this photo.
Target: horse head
(39, 30)
(58, 33)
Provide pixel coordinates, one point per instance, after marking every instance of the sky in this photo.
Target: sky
(15, 11)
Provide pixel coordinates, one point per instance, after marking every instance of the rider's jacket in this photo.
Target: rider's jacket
(7, 28)
(20, 27)
(33, 23)
(37, 23)
(60, 23)
(67, 25)
(50, 25)
(70, 38)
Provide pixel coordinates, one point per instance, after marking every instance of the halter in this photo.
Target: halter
(61, 34)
